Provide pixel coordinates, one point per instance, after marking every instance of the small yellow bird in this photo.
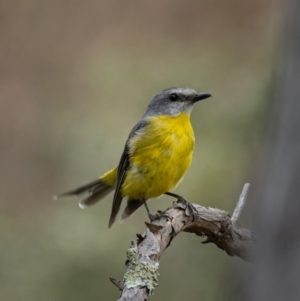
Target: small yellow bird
(156, 156)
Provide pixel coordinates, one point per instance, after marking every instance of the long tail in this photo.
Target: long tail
(96, 189)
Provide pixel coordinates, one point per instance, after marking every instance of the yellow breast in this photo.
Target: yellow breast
(160, 154)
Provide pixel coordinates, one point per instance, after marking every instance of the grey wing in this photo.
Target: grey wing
(121, 174)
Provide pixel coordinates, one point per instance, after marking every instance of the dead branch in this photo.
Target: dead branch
(216, 225)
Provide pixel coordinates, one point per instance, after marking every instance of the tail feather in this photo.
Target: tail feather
(132, 207)
(79, 190)
(96, 195)
(97, 190)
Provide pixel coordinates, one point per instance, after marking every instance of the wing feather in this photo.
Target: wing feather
(121, 174)
(123, 166)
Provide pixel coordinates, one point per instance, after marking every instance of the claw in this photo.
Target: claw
(152, 217)
(181, 199)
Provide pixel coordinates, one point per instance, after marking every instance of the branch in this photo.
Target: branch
(216, 225)
(240, 204)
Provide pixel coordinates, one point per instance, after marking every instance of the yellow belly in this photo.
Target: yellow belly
(160, 154)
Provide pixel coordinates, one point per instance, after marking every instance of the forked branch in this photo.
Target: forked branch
(216, 225)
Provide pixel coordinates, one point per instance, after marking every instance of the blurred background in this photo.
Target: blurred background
(75, 77)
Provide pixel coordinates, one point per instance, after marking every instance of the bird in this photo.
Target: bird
(155, 158)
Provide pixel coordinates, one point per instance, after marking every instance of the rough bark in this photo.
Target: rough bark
(143, 256)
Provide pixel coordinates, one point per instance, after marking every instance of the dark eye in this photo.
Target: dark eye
(173, 97)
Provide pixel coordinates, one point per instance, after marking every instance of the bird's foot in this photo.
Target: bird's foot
(181, 199)
(167, 216)
(152, 217)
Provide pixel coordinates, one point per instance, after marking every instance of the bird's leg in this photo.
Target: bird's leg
(183, 200)
(151, 216)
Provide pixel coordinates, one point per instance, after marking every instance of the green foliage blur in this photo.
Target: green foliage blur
(75, 77)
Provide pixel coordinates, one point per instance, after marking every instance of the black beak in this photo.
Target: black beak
(200, 96)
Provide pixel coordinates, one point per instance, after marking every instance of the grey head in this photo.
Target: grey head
(174, 101)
